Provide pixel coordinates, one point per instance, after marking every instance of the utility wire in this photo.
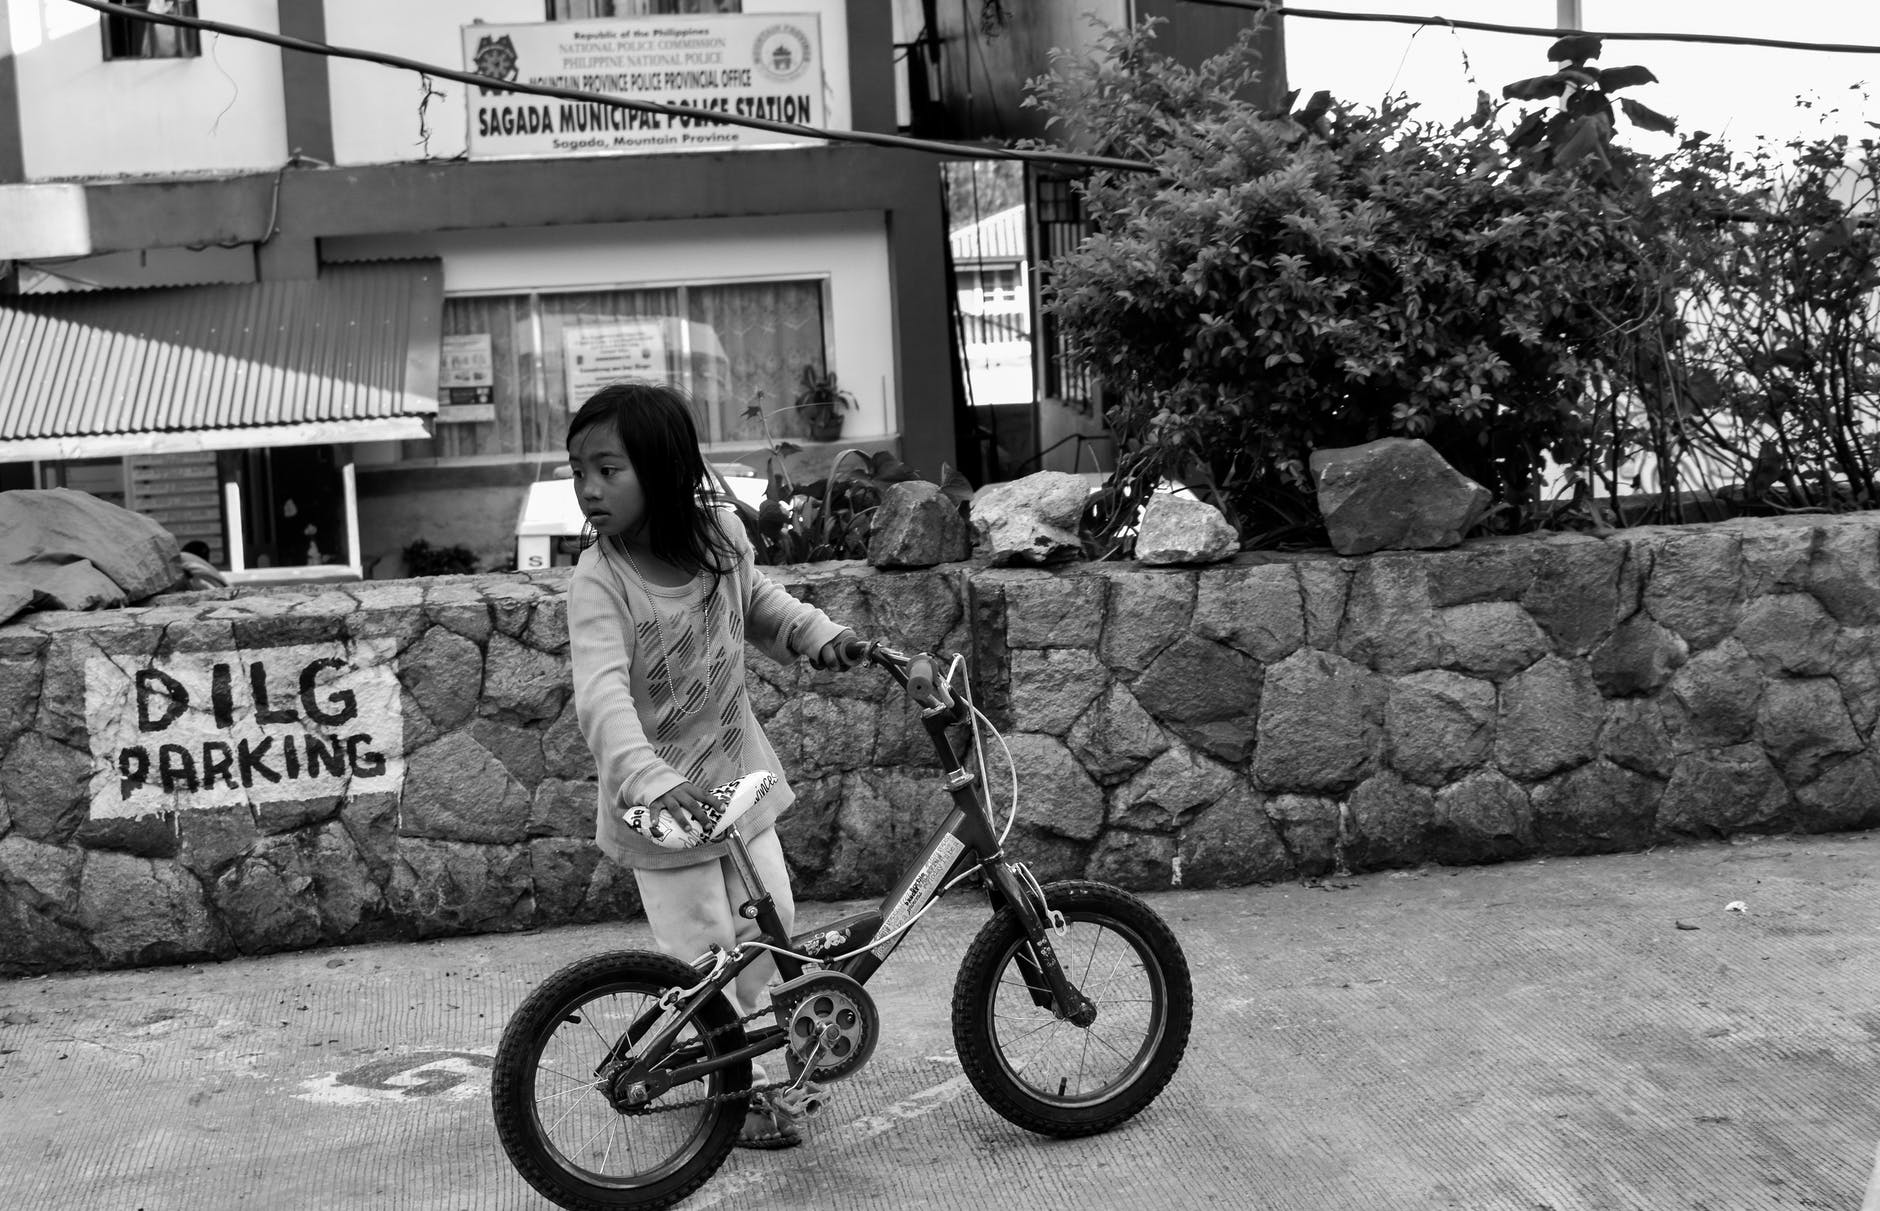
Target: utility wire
(1541, 31)
(969, 151)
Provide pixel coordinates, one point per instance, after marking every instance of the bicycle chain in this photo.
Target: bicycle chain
(714, 1098)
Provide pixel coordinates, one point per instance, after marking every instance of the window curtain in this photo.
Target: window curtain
(767, 331)
(516, 389)
(605, 322)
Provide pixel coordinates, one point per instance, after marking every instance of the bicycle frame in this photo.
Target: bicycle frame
(966, 839)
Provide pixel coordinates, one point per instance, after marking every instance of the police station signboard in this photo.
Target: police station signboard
(760, 65)
(194, 730)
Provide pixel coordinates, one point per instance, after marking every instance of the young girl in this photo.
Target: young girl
(659, 610)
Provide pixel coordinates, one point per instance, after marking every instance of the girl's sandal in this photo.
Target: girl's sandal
(765, 1126)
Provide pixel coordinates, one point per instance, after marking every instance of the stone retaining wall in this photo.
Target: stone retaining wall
(1274, 718)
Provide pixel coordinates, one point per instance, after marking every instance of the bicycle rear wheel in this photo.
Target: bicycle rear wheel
(558, 1127)
(1045, 1073)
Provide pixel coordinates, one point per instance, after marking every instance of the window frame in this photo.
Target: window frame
(123, 39)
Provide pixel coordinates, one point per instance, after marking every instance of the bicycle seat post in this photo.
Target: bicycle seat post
(753, 908)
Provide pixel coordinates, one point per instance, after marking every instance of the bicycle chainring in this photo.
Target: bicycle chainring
(830, 1009)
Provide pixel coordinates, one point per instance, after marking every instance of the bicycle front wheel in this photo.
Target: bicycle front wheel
(557, 1125)
(1045, 1073)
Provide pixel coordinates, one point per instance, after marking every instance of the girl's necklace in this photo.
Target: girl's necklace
(659, 632)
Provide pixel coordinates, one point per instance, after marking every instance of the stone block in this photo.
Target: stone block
(815, 736)
(1394, 493)
(439, 888)
(565, 752)
(1844, 573)
(1324, 587)
(352, 907)
(885, 816)
(1172, 789)
(1489, 639)
(1308, 827)
(443, 673)
(1789, 633)
(1389, 623)
(1596, 808)
(1486, 817)
(612, 894)
(1855, 658)
(1176, 530)
(137, 912)
(1549, 721)
(145, 836)
(46, 787)
(1206, 693)
(1231, 843)
(522, 683)
(1803, 726)
(518, 748)
(1438, 725)
(1116, 736)
(917, 526)
(1842, 796)
(456, 791)
(1574, 591)
(1147, 612)
(1056, 795)
(1135, 861)
(266, 898)
(562, 868)
(1258, 610)
(1696, 586)
(1711, 702)
(1482, 569)
(1054, 611)
(564, 809)
(1634, 737)
(20, 682)
(1032, 520)
(1050, 856)
(1718, 792)
(1390, 822)
(1321, 724)
(1637, 658)
(909, 611)
(1051, 687)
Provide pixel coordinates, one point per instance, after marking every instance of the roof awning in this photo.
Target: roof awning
(349, 356)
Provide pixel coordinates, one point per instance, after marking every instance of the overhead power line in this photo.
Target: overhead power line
(970, 151)
(1540, 31)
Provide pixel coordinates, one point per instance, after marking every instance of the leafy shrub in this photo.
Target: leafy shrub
(423, 559)
(1284, 283)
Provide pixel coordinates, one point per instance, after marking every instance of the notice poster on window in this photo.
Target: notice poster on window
(595, 355)
(195, 730)
(466, 380)
(757, 65)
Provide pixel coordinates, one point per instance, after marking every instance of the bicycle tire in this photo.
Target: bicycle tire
(1120, 954)
(541, 1065)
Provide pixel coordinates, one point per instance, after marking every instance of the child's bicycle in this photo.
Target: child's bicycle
(623, 1080)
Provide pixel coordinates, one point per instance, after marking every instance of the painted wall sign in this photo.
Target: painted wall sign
(761, 65)
(195, 730)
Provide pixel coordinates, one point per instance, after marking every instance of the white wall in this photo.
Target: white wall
(375, 109)
(83, 117)
(851, 250)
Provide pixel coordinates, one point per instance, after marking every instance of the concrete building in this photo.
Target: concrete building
(309, 309)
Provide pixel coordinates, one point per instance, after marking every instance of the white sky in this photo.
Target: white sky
(1735, 91)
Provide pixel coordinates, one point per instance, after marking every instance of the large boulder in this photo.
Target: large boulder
(66, 550)
(1394, 494)
(917, 526)
(1031, 520)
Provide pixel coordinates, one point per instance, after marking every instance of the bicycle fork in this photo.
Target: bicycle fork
(1044, 976)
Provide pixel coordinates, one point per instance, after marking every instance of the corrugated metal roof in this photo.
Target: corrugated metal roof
(997, 237)
(357, 344)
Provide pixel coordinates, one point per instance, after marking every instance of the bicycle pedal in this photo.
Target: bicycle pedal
(806, 1102)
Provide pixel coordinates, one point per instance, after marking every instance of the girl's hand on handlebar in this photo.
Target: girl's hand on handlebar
(842, 653)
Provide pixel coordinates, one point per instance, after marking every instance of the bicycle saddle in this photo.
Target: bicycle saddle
(737, 798)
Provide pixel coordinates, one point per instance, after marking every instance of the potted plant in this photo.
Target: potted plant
(822, 401)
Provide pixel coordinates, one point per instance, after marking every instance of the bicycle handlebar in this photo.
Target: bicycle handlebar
(923, 675)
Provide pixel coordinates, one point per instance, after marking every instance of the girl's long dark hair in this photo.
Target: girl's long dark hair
(655, 427)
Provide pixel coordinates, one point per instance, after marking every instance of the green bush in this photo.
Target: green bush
(1326, 277)
(423, 559)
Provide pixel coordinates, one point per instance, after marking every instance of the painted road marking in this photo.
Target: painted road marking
(452, 1075)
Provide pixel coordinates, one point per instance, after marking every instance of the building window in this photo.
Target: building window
(131, 38)
(537, 357)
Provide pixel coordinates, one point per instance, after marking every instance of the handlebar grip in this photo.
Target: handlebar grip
(855, 650)
(926, 683)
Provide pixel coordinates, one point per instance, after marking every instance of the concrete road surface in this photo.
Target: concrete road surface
(1602, 1034)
